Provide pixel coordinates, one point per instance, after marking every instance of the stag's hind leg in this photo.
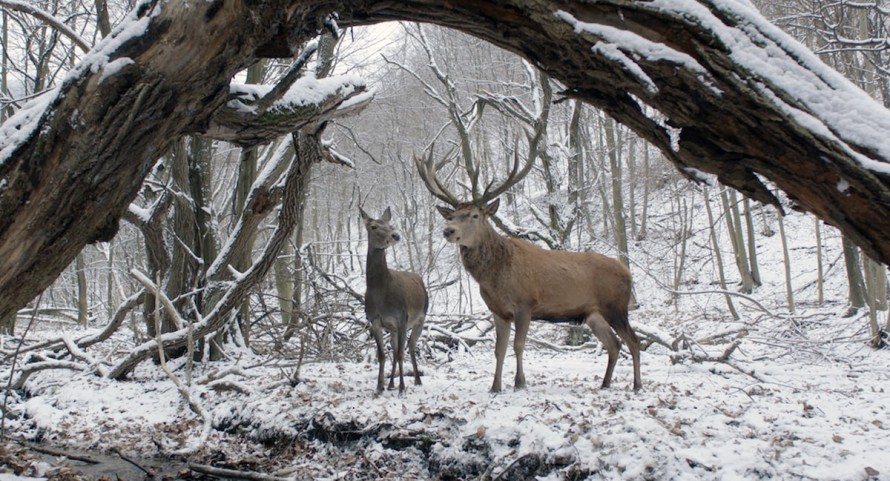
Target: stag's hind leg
(522, 321)
(630, 339)
(603, 332)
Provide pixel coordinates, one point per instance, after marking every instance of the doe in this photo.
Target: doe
(395, 300)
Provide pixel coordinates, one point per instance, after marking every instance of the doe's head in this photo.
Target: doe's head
(466, 221)
(381, 233)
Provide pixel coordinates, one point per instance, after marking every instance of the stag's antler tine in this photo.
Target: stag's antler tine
(427, 170)
(516, 174)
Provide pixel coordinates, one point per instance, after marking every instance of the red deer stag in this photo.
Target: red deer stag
(396, 301)
(520, 281)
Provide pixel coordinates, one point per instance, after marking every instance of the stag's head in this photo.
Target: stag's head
(465, 222)
(381, 233)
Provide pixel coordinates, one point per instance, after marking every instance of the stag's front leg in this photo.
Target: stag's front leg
(502, 333)
(377, 332)
(522, 320)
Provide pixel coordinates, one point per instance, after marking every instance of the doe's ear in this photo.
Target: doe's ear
(445, 211)
(490, 209)
(365, 217)
(387, 215)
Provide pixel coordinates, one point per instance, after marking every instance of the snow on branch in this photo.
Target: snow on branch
(626, 48)
(246, 120)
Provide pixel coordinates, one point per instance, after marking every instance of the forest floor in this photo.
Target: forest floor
(798, 398)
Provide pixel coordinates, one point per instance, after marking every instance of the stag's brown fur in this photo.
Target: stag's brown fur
(396, 301)
(520, 281)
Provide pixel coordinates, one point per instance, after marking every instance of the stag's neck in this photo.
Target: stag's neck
(377, 272)
(487, 258)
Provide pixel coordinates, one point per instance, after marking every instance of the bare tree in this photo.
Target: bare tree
(139, 99)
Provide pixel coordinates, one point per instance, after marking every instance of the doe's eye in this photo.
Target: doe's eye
(373, 227)
(475, 216)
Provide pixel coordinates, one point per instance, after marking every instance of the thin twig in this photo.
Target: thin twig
(12, 367)
(58, 452)
(232, 474)
(147, 472)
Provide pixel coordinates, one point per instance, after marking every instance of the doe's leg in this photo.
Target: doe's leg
(377, 333)
(412, 346)
(400, 353)
(394, 343)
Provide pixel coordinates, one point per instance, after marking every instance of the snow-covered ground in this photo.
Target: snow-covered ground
(819, 412)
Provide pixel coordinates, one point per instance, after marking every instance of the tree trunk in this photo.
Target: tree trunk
(641, 235)
(4, 68)
(820, 297)
(855, 281)
(83, 302)
(752, 243)
(717, 257)
(7, 325)
(876, 290)
(733, 226)
(74, 166)
(247, 172)
(789, 291)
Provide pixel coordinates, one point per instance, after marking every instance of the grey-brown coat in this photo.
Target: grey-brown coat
(396, 301)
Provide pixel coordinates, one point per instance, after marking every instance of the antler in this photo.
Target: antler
(427, 169)
(516, 174)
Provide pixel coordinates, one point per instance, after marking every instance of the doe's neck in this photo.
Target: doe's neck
(376, 267)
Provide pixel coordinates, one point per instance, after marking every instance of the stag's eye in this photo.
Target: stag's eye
(475, 216)
(373, 227)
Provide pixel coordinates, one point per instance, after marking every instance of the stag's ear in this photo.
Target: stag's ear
(490, 209)
(445, 211)
(387, 215)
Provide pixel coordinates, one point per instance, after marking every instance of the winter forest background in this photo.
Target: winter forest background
(766, 334)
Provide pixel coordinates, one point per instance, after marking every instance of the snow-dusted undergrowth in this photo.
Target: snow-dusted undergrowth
(818, 413)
